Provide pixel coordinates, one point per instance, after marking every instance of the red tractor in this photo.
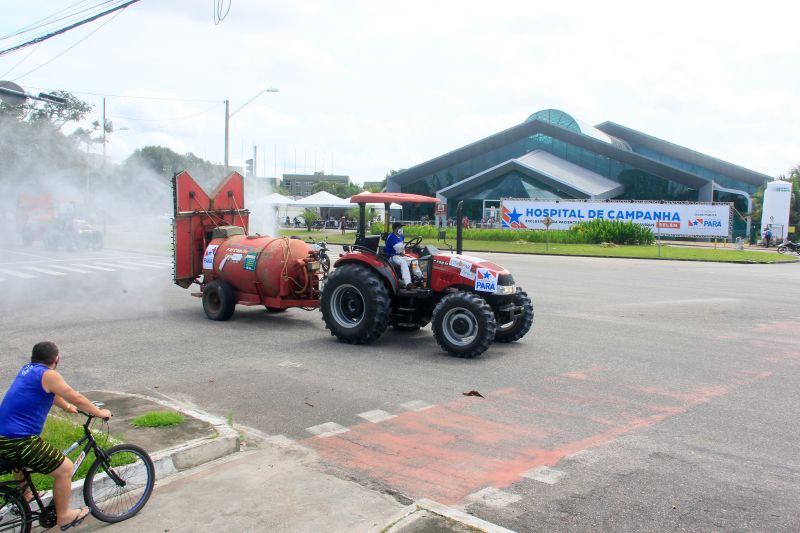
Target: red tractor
(471, 302)
(213, 250)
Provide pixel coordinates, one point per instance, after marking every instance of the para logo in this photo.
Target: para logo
(485, 280)
(694, 222)
(208, 257)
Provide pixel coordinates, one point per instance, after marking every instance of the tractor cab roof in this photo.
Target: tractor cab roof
(391, 197)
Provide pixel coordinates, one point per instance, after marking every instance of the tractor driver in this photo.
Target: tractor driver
(22, 415)
(396, 252)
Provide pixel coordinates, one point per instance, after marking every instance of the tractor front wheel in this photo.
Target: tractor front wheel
(355, 304)
(463, 324)
(219, 300)
(517, 328)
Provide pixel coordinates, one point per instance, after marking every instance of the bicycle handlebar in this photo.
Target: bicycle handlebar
(88, 416)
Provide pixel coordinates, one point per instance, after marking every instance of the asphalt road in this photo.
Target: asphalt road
(649, 396)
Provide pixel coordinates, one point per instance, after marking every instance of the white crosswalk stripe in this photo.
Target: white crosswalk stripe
(155, 262)
(115, 265)
(17, 274)
(148, 265)
(45, 271)
(70, 269)
(94, 267)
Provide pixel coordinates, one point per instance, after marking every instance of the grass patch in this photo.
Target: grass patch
(687, 253)
(158, 419)
(61, 433)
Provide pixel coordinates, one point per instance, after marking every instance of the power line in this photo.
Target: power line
(70, 48)
(18, 63)
(50, 20)
(220, 11)
(170, 119)
(133, 97)
(65, 29)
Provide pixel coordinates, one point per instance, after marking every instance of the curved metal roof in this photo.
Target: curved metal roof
(560, 118)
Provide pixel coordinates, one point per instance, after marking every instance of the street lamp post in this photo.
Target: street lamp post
(228, 116)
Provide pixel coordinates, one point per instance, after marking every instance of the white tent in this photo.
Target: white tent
(267, 212)
(323, 199)
(276, 199)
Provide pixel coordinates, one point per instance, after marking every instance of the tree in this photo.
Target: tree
(165, 162)
(34, 150)
(310, 216)
(58, 114)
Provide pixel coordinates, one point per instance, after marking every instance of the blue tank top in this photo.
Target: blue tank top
(26, 404)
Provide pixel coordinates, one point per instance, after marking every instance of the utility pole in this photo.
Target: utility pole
(227, 122)
(228, 116)
(104, 133)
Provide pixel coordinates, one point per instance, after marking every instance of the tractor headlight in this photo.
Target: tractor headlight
(312, 265)
(505, 290)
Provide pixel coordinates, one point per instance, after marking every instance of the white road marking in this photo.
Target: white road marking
(494, 497)
(416, 405)
(116, 265)
(328, 429)
(376, 416)
(545, 474)
(94, 267)
(17, 274)
(155, 262)
(70, 269)
(45, 271)
(290, 364)
(146, 265)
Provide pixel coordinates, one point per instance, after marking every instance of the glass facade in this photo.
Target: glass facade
(639, 184)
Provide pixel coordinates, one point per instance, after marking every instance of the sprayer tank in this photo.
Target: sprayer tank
(266, 266)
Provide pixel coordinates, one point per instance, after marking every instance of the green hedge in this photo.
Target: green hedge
(594, 232)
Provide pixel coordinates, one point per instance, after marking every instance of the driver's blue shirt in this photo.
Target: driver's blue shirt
(391, 240)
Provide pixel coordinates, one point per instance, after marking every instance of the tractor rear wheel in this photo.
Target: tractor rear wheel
(355, 304)
(463, 324)
(517, 328)
(219, 300)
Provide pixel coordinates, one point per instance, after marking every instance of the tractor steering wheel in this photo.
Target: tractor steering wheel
(413, 243)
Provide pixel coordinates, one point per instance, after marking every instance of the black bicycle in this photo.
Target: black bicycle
(117, 485)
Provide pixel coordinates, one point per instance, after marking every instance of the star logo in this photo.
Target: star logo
(514, 217)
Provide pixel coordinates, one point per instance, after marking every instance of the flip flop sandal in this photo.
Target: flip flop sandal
(78, 519)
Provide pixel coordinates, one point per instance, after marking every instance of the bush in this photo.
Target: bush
(594, 232)
(614, 231)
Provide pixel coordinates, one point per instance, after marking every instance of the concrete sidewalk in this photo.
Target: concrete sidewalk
(205, 482)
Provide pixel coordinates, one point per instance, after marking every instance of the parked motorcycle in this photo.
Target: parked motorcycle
(321, 249)
(789, 247)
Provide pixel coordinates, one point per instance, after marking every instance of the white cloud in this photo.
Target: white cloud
(383, 86)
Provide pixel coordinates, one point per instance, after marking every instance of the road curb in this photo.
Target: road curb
(184, 456)
(404, 520)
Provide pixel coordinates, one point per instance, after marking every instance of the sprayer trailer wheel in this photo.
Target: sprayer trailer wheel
(219, 300)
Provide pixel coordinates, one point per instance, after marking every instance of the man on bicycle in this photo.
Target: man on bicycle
(22, 415)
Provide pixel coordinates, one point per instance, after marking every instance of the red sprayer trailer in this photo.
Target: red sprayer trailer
(212, 249)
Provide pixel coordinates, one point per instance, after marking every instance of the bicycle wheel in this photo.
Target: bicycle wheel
(15, 514)
(117, 488)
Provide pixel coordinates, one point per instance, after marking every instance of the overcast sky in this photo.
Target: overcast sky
(378, 85)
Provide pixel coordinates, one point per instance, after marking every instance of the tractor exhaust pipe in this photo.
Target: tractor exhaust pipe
(459, 228)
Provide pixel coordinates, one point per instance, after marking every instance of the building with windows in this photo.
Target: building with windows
(302, 184)
(552, 155)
